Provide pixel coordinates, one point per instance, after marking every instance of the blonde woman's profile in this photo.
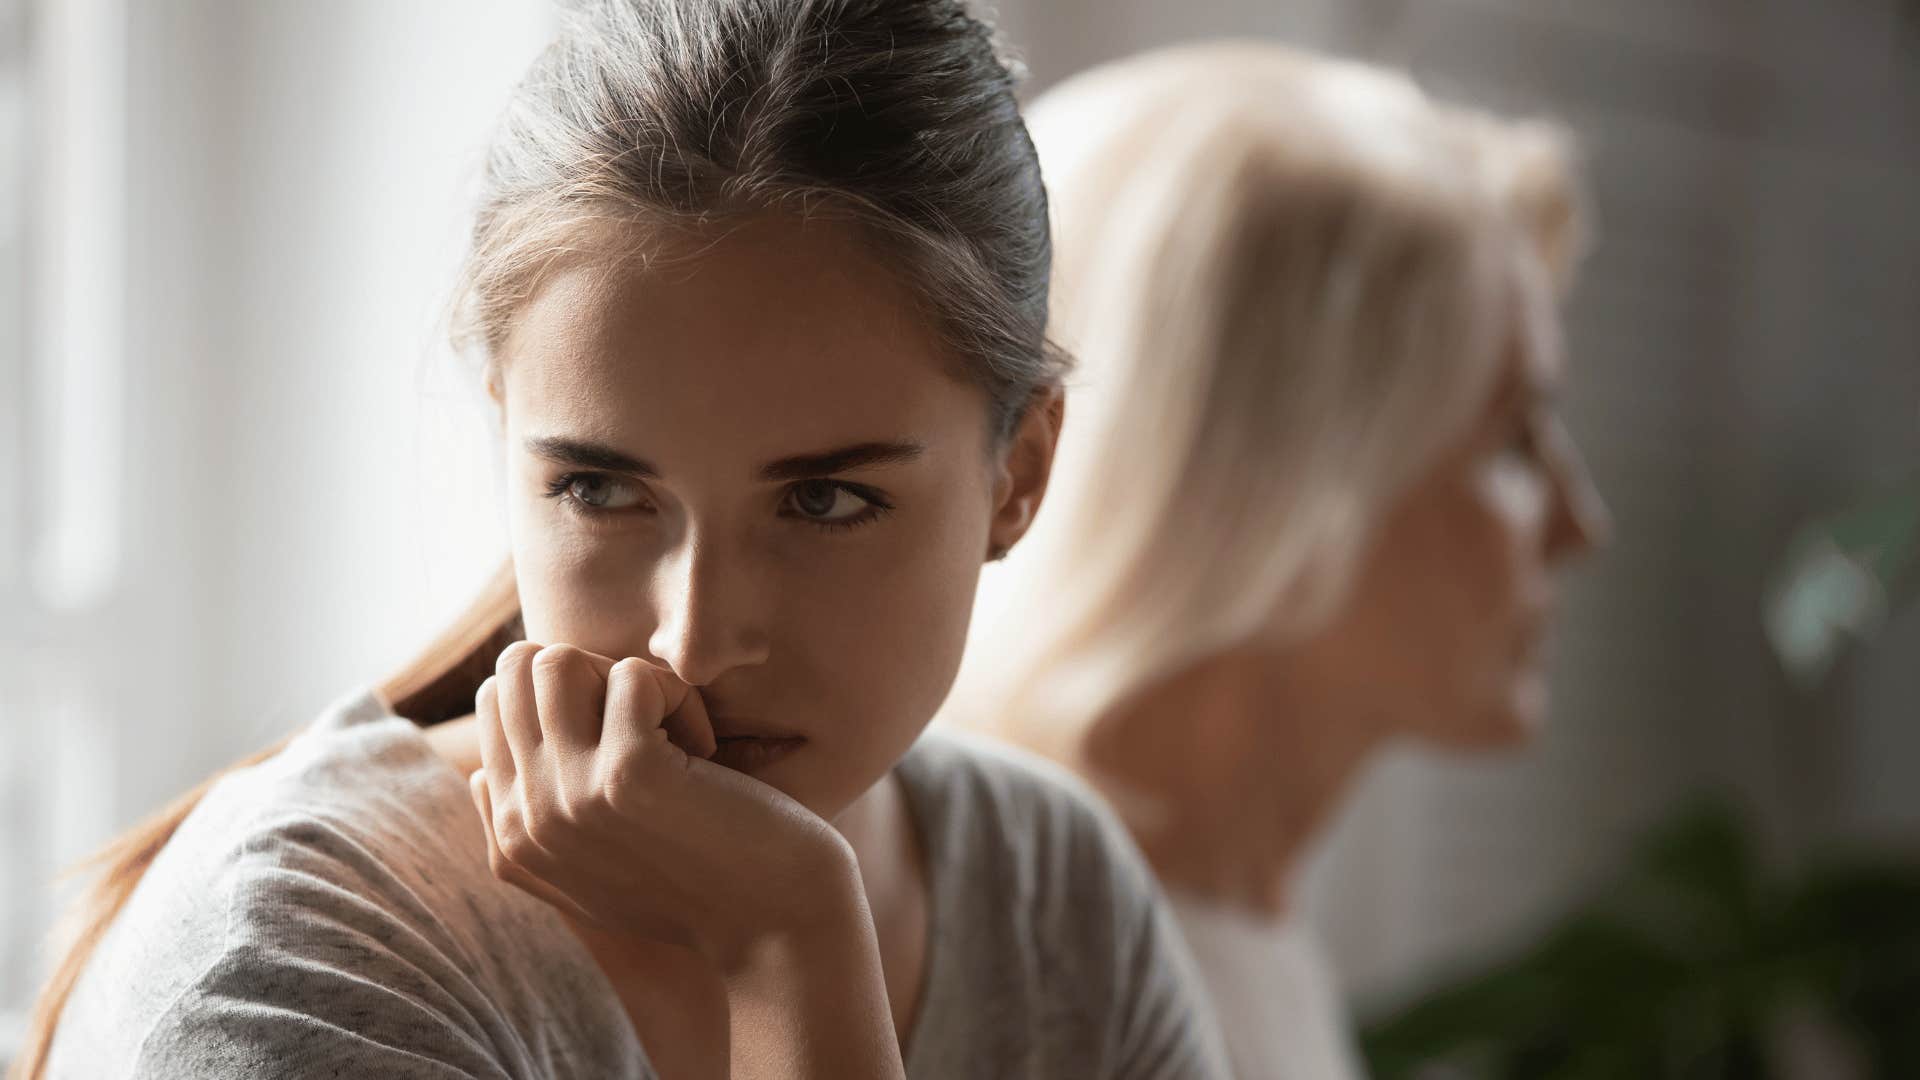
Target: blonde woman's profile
(1312, 490)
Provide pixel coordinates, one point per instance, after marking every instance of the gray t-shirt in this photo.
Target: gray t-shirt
(329, 913)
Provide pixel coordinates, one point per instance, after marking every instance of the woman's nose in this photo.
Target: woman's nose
(707, 622)
(1581, 521)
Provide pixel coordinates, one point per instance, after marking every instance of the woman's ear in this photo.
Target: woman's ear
(1025, 468)
(496, 392)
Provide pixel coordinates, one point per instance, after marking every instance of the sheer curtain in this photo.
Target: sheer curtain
(240, 472)
(17, 850)
(62, 572)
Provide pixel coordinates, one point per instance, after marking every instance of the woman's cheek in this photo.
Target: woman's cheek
(916, 593)
(588, 591)
(1516, 497)
(1514, 490)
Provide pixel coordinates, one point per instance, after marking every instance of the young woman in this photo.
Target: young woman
(761, 290)
(1314, 489)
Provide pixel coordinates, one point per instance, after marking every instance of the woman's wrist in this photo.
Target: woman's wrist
(804, 998)
(825, 901)
(811, 1001)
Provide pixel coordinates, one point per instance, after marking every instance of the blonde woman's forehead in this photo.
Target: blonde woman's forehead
(1539, 329)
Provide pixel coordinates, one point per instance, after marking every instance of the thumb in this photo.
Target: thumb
(690, 728)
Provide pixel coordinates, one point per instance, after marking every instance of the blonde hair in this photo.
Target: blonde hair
(1287, 280)
(898, 117)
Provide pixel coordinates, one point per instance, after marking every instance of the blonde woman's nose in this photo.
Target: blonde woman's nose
(1581, 520)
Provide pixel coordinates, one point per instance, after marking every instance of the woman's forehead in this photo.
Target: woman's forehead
(778, 332)
(1532, 362)
(1540, 345)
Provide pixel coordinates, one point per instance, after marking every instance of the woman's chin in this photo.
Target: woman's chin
(1524, 713)
(1513, 719)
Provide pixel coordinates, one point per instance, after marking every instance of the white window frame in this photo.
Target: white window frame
(63, 467)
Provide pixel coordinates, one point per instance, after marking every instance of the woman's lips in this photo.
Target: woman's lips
(751, 753)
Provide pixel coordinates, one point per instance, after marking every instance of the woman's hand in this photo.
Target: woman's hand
(598, 800)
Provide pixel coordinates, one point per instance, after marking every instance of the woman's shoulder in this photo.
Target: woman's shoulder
(333, 899)
(978, 792)
(356, 799)
(1043, 904)
(1273, 989)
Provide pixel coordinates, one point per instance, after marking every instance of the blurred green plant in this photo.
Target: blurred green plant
(1694, 963)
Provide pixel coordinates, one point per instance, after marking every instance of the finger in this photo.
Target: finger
(632, 738)
(498, 771)
(690, 728)
(569, 695)
(481, 789)
(523, 782)
(519, 711)
(477, 789)
(683, 711)
(509, 871)
(602, 665)
(496, 757)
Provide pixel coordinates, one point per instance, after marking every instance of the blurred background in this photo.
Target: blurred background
(241, 474)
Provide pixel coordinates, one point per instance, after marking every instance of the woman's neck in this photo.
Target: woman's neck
(880, 828)
(1226, 771)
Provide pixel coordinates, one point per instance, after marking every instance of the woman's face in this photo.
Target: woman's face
(1444, 633)
(753, 466)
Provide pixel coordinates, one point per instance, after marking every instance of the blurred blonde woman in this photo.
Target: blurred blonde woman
(1312, 488)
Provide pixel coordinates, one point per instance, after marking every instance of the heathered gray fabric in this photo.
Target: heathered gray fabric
(328, 913)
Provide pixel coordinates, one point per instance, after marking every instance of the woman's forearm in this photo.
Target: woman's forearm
(675, 998)
(814, 1003)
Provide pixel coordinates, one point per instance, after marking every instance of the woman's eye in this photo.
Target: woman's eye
(596, 492)
(1522, 440)
(829, 502)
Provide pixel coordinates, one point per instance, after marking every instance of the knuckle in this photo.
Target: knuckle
(516, 847)
(515, 657)
(547, 828)
(510, 835)
(558, 659)
(571, 804)
(636, 782)
(622, 785)
(632, 672)
(639, 690)
(656, 745)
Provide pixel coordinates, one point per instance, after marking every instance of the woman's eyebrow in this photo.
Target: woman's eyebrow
(588, 455)
(826, 463)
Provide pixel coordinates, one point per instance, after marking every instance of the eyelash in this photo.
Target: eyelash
(877, 506)
(560, 489)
